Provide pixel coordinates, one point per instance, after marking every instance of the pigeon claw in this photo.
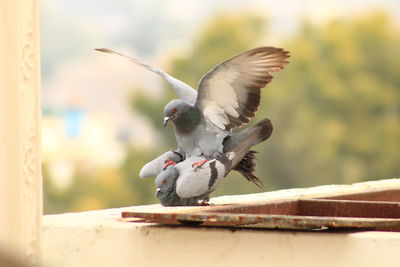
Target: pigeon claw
(199, 164)
(204, 202)
(168, 163)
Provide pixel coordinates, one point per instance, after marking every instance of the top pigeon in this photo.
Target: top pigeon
(228, 97)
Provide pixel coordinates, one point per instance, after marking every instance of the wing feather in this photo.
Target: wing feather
(184, 91)
(229, 94)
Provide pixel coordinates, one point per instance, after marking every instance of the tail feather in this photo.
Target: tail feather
(266, 128)
(263, 130)
(246, 167)
(240, 143)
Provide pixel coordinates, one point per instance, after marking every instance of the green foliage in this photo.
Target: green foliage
(336, 106)
(224, 36)
(143, 189)
(153, 109)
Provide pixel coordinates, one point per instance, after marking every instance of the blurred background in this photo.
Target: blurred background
(335, 108)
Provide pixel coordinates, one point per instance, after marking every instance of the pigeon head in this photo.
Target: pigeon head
(165, 183)
(174, 109)
(184, 115)
(166, 189)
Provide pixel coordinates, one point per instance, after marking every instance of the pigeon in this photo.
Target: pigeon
(185, 184)
(228, 97)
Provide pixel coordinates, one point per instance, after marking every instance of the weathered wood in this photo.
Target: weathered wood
(335, 211)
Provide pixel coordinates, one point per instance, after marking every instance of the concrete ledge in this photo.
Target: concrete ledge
(99, 238)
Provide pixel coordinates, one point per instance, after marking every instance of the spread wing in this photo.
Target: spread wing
(184, 91)
(229, 94)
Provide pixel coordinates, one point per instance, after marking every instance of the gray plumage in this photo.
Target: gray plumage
(228, 97)
(182, 185)
(246, 166)
(154, 167)
(192, 137)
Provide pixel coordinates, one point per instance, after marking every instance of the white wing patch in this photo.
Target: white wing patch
(224, 100)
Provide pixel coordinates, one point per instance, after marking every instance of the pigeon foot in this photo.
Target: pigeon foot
(168, 163)
(204, 202)
(198, 164)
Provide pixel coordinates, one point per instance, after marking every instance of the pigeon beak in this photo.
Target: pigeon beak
(166, 120)
(158, 192)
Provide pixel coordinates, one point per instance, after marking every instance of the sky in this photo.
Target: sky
(72, 28)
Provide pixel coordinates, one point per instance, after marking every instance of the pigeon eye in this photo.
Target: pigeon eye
(164, 181)
(174, 110)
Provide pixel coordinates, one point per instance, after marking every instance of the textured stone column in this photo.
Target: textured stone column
(20, 173)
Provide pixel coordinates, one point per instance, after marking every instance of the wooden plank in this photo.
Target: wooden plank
(349, 208)
(264, 221)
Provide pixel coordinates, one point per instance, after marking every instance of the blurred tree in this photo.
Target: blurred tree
(222, 37)
(336, 108)
(93, 188)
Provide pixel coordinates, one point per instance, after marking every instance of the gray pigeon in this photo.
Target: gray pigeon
(183, 185)
(228, 97)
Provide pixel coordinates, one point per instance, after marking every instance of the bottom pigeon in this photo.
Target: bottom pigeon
(189, 184)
